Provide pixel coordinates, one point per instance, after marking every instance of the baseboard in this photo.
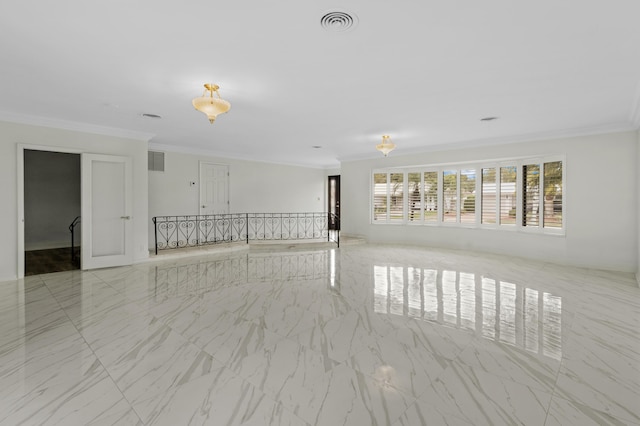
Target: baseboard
(8, 278)
(347, 235)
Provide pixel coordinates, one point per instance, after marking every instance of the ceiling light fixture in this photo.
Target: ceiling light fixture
(386, 146)
(209, 105)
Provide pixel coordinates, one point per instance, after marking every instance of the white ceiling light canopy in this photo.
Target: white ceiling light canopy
(210, 105)
(386, 146)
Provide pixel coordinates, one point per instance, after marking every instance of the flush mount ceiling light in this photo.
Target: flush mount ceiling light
(386, 146)
(209, 105)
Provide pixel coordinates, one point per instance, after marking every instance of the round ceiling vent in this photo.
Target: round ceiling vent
(338, 22)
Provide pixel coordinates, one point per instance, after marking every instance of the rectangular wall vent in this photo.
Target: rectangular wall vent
(156, 161)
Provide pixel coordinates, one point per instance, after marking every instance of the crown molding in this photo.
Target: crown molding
(12, 117)
(476, 143)
(225, 155)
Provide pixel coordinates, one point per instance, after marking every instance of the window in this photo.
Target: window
(531, 195)
(553, 194)
(415, 203)
(396, 203)
(489, 194)
(380, 196)
(430, 197)
(518, 194)
(467, 196)
(507, 199)
(450, 196)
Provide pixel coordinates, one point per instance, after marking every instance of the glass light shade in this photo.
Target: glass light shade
(386, 146)
(209, 105)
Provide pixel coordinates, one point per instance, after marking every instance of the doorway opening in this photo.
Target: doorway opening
(333, 199)
(52, 206)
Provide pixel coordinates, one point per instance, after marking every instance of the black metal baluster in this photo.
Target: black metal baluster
(155, 227)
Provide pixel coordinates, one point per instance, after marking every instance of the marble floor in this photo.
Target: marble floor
(361, 335)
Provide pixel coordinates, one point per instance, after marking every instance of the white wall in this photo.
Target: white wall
(601, 203)
(51, 198)
(254, 187)
(332, 172)
(12, 134)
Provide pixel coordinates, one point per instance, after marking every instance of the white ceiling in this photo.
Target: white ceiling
(424, 72)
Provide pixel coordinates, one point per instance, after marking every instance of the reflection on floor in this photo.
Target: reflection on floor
(52, 260)
(497, 310)
(361, 335)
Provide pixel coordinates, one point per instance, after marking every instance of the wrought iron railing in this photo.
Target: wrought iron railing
(172, 232)
(75, 259)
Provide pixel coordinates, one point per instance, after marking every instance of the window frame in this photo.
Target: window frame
(477, 166)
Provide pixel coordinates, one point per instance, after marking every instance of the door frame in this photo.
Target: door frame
(336, 207)
(21, 147)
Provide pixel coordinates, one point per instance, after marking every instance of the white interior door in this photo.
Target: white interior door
(214, 188)
(106, 211)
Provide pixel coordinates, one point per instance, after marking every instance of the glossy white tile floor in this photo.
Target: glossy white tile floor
(361, 335)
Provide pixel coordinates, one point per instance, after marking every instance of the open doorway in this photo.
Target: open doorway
(52, 206)
(333, 201)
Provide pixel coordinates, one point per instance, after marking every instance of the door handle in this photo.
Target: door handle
(125, 217)
(203, 206)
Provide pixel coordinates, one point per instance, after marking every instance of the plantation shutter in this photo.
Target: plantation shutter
(531, 195)
(489, 194)
(430, 196)
(380, 196)
(553, 194)
(467, 196)
(415, 203)
(508, 196)
(450, 196)
(396, 201)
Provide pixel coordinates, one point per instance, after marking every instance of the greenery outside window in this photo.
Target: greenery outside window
(430, 192)
(467, 196)
(508, 195)
(396, 199)
(415, 197)
(552, 202)
(450, 196)
(380, 191)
